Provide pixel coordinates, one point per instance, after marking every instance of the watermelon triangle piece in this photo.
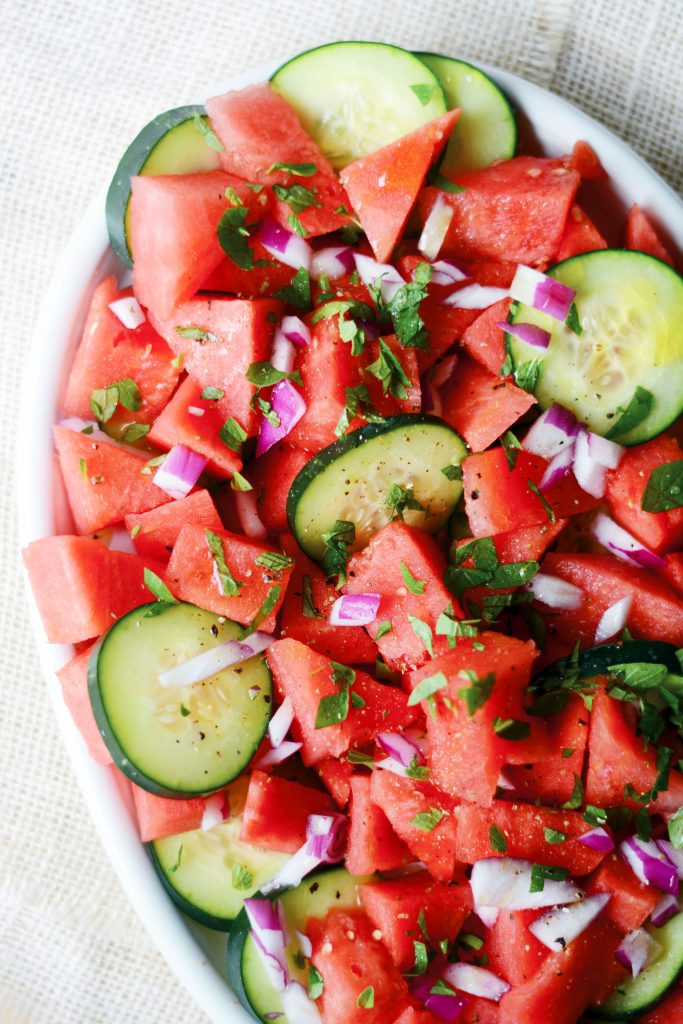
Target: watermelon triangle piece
(384, 186)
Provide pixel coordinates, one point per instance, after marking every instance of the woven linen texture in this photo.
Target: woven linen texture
(78, 78)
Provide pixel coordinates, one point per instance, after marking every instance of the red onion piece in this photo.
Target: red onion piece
(487, 915)
(305, 944)
(542, 292)
(474, 296)
(666, 908)
(597, 839)
(504, 882)
(278, 726)
(558, 468)
(334, 261)
(298, 1005)
(431, 397)
(216, 810)
(390, 764)
(650, 864)
(283, 353)
(370, 271)
(560, 926)
(119, 539)
(444, 370)
(447, 272)
(179, 471)
(289, 405)
(435, 228)
(295, 330)
(613, 619)
(276, 756)
(246, 506)
(447, 1008)
(214, 660)
(195, 410)
(354, 610)
(606, 453)
(476, 981)
(590, 474)
(504, 783)
(623, 544)
(128, 311)
(637, 950)
(400, 748)
(553, 431)
(269, 938)
(325, 844)
(555, 592)
(284, 245)
(530, 334)
(674, 855)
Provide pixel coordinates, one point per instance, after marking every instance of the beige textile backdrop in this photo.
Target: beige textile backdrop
(78, 78)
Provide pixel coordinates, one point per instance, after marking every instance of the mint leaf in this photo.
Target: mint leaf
(427, 687)
(366, 1000)
(404, 309)
(536, 490)
(158, 587)
(383, 628)
(337, 542)
(478, 692)
(299, 170)
(297, 197)
(576, 799)
(572, 321)
(527, 375)
(242, 878)
(229, 585)
(427, 820)
(511, 447)
(332, 709)
(424, 92)
(201, 123)
(389, 372)
(400, 499)
(308, 609)
(275, 561)
(315, 983)
(638, 409)
(664, 490)
(423, 632)
(233, 237)
(413, 585)
(497, 840)
(539, 873)
(553, 836)
(298, 292)
(437, 180)
(232, 435)
(195, 333)
(269, 602)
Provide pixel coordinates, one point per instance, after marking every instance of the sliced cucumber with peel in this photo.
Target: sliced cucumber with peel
(350, 480)
(176, 740)
(170, 144)
(209, 873)
(487, 127)
(316, 895)
(630, 349)
(355, 97)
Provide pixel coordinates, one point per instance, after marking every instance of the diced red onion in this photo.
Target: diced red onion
(558, 468)
(674, 855)
(637, 950)
(530, 334)
(214, 660)
(488, 915)
(650, 864)
(128, 311)
(504, 783)
(179, 471)
(295, 330)
(195, 410)
(447, 272)
(283, 352)
(334, 261)
(476, 981)
(504, 882)
(247, 508)
(445, 1007)
(370, 271)
(623, 544)
(607, 453)
(590, 475)
(269, 937)
(560, 926)
(325, 844)
(443, 370)
(289, 406)
(431, 397)
(299, 1006)
(613, 619)
(435, 228)
(474, 296)
(354, 610)
(667, 907)
(305, 944)
(120, 540)
(370, 328)
(554, 592)
(216, 810)
(553, 432)
(597, 839)
(276, 756)
(278, 726)
(542, 292)
(284, 245)
(400, 748)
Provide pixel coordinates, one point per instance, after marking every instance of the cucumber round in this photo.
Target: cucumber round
(487, 127)
(176, 741)
(596, 661)
(351, 479)
(209, 873)
(313, 898)
(355, 97)
(636, 995)
(170, 144)
(630, 308)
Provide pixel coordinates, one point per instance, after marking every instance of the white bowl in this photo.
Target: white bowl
(195, 954)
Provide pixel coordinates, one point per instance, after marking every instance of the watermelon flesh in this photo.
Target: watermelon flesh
(73, 678)
(155, 532)
(275, 812)
(373, 845)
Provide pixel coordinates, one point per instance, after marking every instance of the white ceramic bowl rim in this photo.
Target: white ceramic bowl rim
(194, 954)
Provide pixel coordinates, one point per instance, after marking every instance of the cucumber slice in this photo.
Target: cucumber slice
(313, 898)
(354, 98)
(595, 661)
(185, 740)
(487, 127)
(630, 307)
(209, 873)
(170, 144)
(636, 995)
(350, 480)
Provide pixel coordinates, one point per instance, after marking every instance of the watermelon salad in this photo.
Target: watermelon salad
(375, 582)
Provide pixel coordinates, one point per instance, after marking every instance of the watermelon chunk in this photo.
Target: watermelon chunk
(484, 340)
(383, 186)
(481, 406)
(239, 333)
(195, 422)
(631, 902)
(155, 532)
(412, 1016)
(580, 235)
(660, 531)
(271, 476)
(258, 128)
(159, 816)
(514, 952)
(254, 283)
(173, 222)
(336, 777)
(373, 844)
(109, 352)
(193, 576)
(74, 682)
(514, 210)
(275, 813)
(104, 481)
(551, 778)
(641, 235)
(81, 587)
(387, 404)
(586, 161)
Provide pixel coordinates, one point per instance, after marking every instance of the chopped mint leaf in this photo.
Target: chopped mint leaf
(342, 674)
(497, 840)
(675, 827)
(337, 542)
(332, 709)
(366, 1000)
(638, 409)
(554, 837)
(184, 711)
(233, 237)
(358, 757)
(201, 123)
(537, 491)
(541, 872)
(269, 602)
(232, 435)
(336, 306)
(268, 412)
(296, 225)
(576, 799)
(135, 531)
(421, 958)
(158, 587)
(240, 483)
(478, 692)
(414, 586)
(527, 375)
(229, 585)
(595, 815)
(103, 401)
(308, 609)
(242, 878)
(424, 92)
(400, 499)
(388, 370)
(383, 628)
(195, 333)
(511, 728)
(349, 330)
(275, 561)
(83, 468)
(299, 170)
(664, 490)
(417, 771)
(470, 940)
(452, 472)
(567, 751)
(315, 983)
(437, 180)
(133, 432)
(427, 820)
(423, 632)
(427, 687)
(263, 374)
(358, 403)
(404, 309)
(297, 197)
(572, 321)
(298, 292)
(511, 447)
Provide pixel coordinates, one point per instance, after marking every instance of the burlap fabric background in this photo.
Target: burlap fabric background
(77, 81)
